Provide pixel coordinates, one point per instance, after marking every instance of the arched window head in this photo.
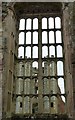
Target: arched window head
(44, 23)
(28, 24)
(22, 24)
(57, 22)
(51, 23)
(35, 23)
(35, 64)
(59, 51)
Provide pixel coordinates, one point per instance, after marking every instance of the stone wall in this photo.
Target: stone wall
(1, 57)
(9, 40)
(68, 36)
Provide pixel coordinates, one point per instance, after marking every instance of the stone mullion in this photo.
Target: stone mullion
(40, 82)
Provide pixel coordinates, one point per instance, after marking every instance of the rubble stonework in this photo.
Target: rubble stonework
(68, 26)
(1, 57)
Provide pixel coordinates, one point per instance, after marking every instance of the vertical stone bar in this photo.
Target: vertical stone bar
(40, 84)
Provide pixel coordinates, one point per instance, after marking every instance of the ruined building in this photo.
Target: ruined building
(37, 60)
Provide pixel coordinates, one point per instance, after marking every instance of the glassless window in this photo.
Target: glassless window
(57, 22)
(35, 52)
(60, 68)
(21, 38)
(58, 37)
(22, 24)
(35, 23)
(51, 23)
(51, 37)
(28, 52)
(35, 37)
(28, 38)
(44, 23)
(21, 52)
(44, 51)
(28, 24)
(59, 51)
(40, 46)
(52, 51)
(44, 37)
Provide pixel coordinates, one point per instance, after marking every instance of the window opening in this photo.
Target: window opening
(51, 37)
(57, 22)
(52, 51)
(61, 85)
(21, 52)
(35, 23)
(28, 38)
(60, 68)
(36, 90)
(44, 37)
(20, 104)
(41, 47)
(22, 24)
(35, 37)
(21, 38)
(58, 36)
(51, 23)
(28, 52)
(34, 68)
(35, 64)
(44, 51)
(28, 24)
(35, 52)
(44, 23)
(59, 51)
(51, 104)
(63, 99)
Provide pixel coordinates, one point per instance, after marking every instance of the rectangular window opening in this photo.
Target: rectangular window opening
(42, 51)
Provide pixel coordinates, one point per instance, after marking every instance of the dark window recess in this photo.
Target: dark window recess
(51, 104)
(22, 65)
(36, 89)
(20, 104)
(35, 108)
(51, 91)
(74, 99)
